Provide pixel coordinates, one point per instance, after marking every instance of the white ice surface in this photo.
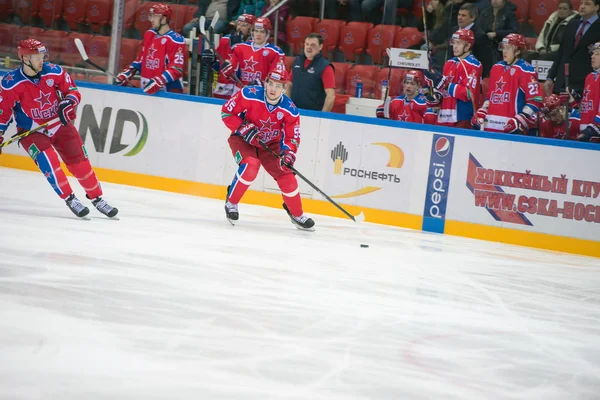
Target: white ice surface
(171, 302)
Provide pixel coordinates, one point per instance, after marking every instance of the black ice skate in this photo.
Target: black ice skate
(302, 222)
(231, 210)
(77, 207)
(105, 208)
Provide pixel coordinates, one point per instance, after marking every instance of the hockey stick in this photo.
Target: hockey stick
(29, 132)
(567, 105)
(356, 218)
(85, 58)
(212, 46)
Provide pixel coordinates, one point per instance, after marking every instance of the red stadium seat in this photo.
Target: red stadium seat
(530, 41)
(395, 83)
(341, 69)
(26, 10)
(575, 3)
(129, 51)
(379, 39)
(98, 14)
(21, 34)
(7, 39)
(367, 73)
(408, 37)
(522, 11)
(6, 9)
(142, 23)
(539, 11)
(180, 13)
(98, 49)
(50, 11)
(296, 30)
(99, 79)
(353, 39)
(288, 62)
(417, 9)
(330, 30)
(74, 13)
(339, 104)
(69, 53)
(78, 77)
(131, 7)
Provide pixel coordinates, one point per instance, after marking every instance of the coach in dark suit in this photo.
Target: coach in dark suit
(581, 32)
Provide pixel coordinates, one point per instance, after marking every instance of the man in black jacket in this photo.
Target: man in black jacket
(580, 33)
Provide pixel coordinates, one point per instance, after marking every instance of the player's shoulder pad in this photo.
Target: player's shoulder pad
(288, 105)
(253, 93)
(175, 37)
(151, 32)
(524, 65)
(420, 99)
(470, 59)
(12, 78)
(51, 69)
(399, 98)
(274, 48)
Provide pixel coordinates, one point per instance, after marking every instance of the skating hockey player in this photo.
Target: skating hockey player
(589, 105)
(38, 92)
(161, 58)
(514, 97)
(410, 106)
(243, 28)
(256, 114)
(255, 58)
(457, 90)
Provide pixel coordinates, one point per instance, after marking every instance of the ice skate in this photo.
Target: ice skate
(231, 210)
(77, 207)
(105, 208)
(302, 222)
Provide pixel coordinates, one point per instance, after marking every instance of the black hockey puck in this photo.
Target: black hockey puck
(364, 245)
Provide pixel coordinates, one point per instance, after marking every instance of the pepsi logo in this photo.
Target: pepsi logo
(442, 147)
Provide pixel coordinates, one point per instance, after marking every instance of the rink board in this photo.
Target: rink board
(528, 191)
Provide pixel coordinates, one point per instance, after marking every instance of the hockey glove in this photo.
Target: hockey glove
(155, 84)
(287, 158)
(591, 131)
(124, 77)
(228, 71)
(250, 133)
(235, 38)
(208, 57)
(438, 81)
(434, 99)
(66, 111)
(479, 118)
(513, 126)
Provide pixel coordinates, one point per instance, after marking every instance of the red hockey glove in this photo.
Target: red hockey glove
(479, 118)
(228, 71)
(124, 77)
(66, 111)
(287, 158)
(513, 126)
(155, 84)
(250, 133)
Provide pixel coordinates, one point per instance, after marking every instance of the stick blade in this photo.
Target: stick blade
(214, 21)
(81, 49)
(201, 24)
(360, 217)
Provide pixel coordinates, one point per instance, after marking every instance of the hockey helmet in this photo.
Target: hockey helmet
(31, 46)
(463, 34)
(279, 74)
(551, 103)
(161, 9)
(414, 75)
(247, 18)
(594, 47)
(263, 23)
(514, 39)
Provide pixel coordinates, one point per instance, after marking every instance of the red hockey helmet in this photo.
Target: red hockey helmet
(263, 23)
(247, 18)
(594, 47)
(551, 103)
(29, 47)
(516, 40)
(414, 75)
(279, 74)
(464, 34)
(161, 9)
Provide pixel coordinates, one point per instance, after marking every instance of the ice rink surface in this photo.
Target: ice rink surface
(172, 302)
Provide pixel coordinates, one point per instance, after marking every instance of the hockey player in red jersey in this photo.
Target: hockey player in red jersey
(514, 97)
(410, 106)
(225, 86)
(552, 119)
(254, 58)
(589, 106)
(161, 59)
(256, 114)
(458, 88)
(39, 92)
